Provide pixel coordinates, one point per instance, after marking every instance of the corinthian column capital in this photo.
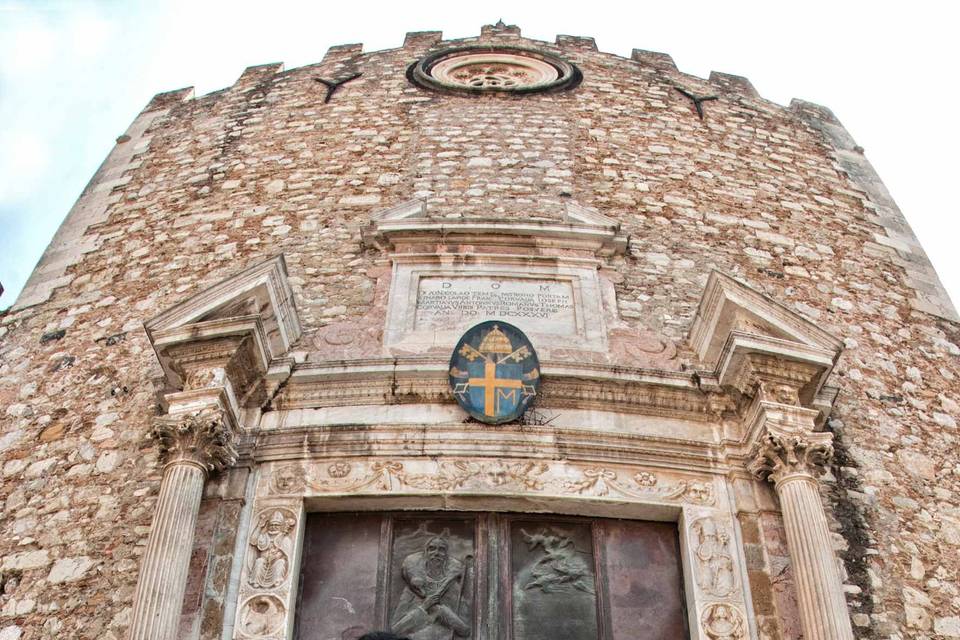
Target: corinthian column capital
(204, 438)
(777, 454)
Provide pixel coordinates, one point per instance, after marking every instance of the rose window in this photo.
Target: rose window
(481, 70)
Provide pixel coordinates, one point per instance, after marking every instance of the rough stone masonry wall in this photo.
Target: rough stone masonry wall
(755, 189)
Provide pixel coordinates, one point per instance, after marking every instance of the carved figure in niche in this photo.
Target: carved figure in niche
(270, 559)
(714, 562)
(723, 622)
(261, 616)
(559, 569)
(431, 602)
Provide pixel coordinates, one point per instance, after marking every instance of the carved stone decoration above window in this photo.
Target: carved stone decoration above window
(494, 69)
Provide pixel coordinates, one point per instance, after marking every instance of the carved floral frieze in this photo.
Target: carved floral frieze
(487, 476)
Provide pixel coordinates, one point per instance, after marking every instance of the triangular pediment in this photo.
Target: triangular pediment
(578, 214)
(409, 223)
(260, 292)
(403, 211)
(729, 305)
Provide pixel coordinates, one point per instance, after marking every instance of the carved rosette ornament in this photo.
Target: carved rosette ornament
(204, 438)
(777, 455)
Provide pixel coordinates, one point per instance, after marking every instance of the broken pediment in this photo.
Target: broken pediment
(253, 308)
(737, 329)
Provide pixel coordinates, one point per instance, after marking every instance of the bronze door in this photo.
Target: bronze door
(449, 576)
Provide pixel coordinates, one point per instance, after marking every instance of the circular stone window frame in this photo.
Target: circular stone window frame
(420, 72)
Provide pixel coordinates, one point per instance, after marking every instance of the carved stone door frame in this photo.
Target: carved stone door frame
(714, 575)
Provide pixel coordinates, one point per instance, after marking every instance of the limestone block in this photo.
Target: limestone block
(70, 569)
(26, 560)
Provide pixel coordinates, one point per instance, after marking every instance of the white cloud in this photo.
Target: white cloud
(24, 158)
(89, 34)
(27, 50)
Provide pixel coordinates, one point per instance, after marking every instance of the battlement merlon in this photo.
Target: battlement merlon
(347, 55)
(896, 239)
(169, 99)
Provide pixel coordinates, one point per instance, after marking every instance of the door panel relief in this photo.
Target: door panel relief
(489, 576)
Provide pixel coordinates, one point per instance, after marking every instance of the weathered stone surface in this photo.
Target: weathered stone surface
(775, 196)
(11, 632)
(70, 569)
(26, 560)
(948, 627)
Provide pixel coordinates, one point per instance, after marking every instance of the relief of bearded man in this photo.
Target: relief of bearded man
(429, 605)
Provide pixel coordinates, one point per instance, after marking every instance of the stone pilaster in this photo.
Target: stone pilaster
(792, 459)
(193, 445)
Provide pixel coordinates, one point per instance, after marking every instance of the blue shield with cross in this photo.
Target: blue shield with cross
(494, 372)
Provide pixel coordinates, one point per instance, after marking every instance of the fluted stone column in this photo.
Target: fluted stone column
(193, 444)
(792, 461)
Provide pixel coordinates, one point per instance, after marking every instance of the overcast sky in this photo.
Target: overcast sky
(74, 74)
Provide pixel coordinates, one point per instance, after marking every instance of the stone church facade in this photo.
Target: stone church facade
(226, 389)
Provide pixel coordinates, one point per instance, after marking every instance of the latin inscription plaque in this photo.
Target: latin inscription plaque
(451, 302)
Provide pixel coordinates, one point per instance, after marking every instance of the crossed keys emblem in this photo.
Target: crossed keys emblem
(472, 354)
(499, 380)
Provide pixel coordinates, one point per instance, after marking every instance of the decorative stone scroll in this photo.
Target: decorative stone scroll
(488, 476)
(204, 438)
(267, 585)
(777, 455)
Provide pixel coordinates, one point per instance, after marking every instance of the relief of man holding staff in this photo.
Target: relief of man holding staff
(429, 607)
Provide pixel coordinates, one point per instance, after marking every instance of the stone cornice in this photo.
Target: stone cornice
(567, 385)
(473, 440)
(403, 228)
(261, 290)
(747, 358)
(228, 354)
(223, 347)
(728, 305)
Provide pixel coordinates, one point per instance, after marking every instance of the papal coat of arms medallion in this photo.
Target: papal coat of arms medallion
(494, 372)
